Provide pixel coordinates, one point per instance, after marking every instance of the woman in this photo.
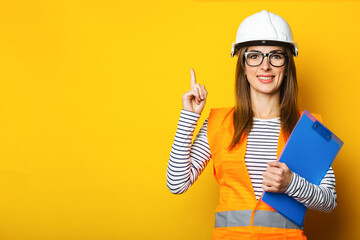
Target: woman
(246, 140)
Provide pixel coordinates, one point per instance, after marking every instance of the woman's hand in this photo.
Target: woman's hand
(277, 177)
(194, 100)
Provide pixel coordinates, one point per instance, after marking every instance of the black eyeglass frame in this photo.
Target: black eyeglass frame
(265, 55)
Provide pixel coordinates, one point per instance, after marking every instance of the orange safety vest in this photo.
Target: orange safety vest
(239, 215)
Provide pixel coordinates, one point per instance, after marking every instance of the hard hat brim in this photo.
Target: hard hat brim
(291, 46)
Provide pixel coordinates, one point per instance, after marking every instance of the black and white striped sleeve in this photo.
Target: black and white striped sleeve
(318, 197)
(187, 160)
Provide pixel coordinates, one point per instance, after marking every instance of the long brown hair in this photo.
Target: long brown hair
(243, 112)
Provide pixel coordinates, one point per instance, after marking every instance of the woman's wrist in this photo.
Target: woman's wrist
(292, 183)
(191, 112)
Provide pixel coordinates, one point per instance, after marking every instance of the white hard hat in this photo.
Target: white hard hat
(264, 28)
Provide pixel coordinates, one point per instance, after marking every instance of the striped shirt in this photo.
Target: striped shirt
(260, 149)
(188, 160)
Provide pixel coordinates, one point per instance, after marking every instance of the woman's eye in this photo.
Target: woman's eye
(277, 56)
(254, 56)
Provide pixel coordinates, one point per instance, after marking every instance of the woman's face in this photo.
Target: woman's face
(265, 78)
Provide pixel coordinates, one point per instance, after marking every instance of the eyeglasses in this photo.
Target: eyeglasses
(275, 59)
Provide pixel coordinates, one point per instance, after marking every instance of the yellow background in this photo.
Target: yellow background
(90, 96)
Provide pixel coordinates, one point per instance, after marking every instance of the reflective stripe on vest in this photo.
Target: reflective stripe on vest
(233, 218)
(261, 219)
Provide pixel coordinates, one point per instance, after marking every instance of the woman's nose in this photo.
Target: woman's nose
(265, 65)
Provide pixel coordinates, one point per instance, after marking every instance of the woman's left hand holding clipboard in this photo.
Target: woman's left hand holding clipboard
(277, 177)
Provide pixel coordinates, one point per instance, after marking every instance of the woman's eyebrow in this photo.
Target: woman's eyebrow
(273, 51)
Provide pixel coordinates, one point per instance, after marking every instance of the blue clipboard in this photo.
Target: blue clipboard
(309, 152)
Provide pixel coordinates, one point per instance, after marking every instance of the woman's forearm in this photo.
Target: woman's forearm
(318, 197)
(187, 160)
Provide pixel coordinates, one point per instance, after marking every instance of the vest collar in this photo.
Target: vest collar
(227, 125)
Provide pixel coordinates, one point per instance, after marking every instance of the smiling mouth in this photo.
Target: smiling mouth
(265, 77)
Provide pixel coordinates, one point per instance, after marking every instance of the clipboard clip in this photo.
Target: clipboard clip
(320, 129)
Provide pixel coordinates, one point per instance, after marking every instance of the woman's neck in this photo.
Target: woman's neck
(266, 106)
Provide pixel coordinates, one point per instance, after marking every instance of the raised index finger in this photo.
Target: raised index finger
(193, 78)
